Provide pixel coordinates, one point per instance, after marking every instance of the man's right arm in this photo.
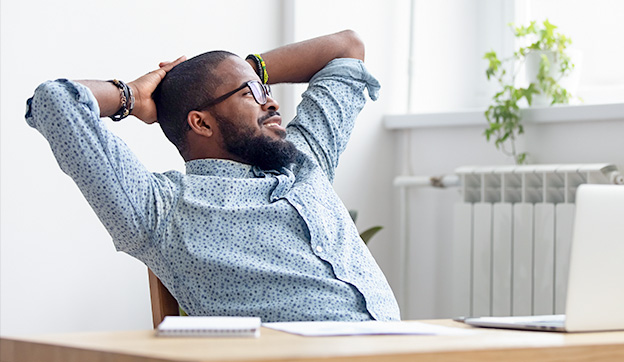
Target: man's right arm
(127, 198)
(109, 100)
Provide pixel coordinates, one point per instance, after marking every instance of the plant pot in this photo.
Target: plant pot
(569, 82)
(532, 67)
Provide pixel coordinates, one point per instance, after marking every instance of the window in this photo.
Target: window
(449, 39)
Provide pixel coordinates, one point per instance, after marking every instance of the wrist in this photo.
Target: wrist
(127, 100)
(137, 109)
(259, 65)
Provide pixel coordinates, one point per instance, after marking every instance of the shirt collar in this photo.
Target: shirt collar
(218, 167)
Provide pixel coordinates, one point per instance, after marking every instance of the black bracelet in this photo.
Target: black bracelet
(258, 66)
(127, 100)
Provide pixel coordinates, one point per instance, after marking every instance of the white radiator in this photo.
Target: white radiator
(512, 234)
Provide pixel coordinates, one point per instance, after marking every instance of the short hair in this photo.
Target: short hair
(187, 86)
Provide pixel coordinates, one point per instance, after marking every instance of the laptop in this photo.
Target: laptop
(595, 296)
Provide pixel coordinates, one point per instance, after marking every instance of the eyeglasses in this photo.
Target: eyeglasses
(259, 91)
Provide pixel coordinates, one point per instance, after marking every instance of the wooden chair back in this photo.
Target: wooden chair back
(163, 303)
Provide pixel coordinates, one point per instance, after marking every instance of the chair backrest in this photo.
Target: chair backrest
(163, 303)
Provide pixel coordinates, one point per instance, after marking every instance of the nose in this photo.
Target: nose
(271, 104)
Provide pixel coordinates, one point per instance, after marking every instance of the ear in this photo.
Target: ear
(201, 123)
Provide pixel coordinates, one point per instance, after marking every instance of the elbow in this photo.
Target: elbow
(353, 45)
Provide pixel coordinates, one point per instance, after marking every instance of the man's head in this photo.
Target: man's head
(213, 106)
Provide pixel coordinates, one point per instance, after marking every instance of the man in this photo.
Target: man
(254, 227)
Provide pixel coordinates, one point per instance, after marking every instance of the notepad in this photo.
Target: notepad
(173, 326)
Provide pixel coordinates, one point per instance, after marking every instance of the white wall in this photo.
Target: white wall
(59, 269)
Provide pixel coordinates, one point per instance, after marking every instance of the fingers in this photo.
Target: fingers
(164, 67)
(167, 66)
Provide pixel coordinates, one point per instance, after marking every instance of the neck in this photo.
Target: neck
(201, 147)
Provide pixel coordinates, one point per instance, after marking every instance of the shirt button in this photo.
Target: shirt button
(319, 249)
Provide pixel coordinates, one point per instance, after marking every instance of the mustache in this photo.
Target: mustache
(267, 116)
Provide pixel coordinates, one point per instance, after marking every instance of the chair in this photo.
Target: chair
(163, 303)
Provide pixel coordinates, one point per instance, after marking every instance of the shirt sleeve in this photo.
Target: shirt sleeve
(126, 197)
(329, 107)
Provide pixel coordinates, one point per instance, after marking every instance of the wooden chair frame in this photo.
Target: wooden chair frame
(163, 303)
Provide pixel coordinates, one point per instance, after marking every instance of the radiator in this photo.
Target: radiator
(512, 236)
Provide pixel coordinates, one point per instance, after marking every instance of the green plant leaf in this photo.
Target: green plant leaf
(367, 234)
(521, 158)
(493, 64)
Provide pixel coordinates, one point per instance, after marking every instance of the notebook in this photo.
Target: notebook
(174, 326)
(595, 296)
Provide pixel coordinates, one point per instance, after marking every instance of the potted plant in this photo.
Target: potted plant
(545, 62)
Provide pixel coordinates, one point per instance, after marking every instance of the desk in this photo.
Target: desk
(486, 345)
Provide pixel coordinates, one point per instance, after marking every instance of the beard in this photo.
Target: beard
(257, 149)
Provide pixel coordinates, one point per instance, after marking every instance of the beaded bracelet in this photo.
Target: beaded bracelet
(260, 66)
(127, 100)
(257, 62)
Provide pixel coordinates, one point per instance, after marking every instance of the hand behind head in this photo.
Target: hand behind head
(143, 87)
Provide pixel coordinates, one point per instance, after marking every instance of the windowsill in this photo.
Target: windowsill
(475, 117)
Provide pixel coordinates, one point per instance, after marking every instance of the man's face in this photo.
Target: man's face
(250, 132)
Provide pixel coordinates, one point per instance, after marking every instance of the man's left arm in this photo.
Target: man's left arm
(298, 62)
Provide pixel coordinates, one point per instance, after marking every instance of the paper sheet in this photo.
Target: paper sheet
(316, 329)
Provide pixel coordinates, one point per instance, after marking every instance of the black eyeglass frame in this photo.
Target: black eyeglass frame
(265, 89)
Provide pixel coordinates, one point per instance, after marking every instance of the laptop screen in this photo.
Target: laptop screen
(595, 297)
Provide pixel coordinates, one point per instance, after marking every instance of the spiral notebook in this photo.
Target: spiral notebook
(173, 326)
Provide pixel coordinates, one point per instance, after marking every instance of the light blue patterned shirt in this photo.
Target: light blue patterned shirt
(227, 238)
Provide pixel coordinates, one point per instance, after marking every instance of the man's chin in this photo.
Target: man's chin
(276, 133)
(267, 149)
